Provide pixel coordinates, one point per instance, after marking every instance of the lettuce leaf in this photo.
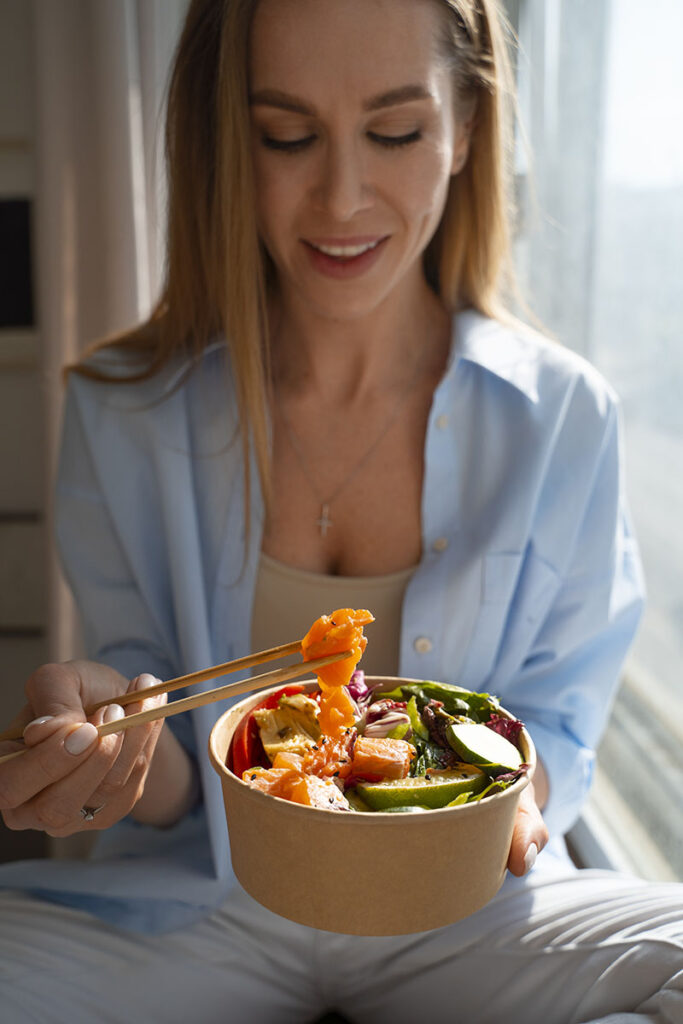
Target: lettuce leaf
(479, 707)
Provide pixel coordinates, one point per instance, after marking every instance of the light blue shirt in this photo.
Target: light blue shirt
(529, 585)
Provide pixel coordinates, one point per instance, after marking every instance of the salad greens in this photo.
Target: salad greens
(431, 716)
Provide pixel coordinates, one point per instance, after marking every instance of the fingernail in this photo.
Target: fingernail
(80, 739)
(145, 680)
(530, 857)
(39, 721)
(113, 713)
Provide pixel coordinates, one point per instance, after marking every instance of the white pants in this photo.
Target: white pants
(590, 946)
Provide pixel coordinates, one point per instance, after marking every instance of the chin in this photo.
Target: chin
(344, 312)
(348, 301)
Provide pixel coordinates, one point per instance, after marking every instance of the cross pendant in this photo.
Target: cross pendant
(324, 522)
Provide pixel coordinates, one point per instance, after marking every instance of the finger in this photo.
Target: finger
(39, 729)
(138, 744)
(66, 745)
(55, 809)
(529, 834)
(36, 729)
(135, 741)
(144, 759)
(111, 801)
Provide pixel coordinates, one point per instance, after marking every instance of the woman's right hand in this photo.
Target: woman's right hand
(66, 767)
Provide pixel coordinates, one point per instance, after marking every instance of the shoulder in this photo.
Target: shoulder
(116, 370)
(141, 442)
(538, 370)
(114, 377)
(125, 421)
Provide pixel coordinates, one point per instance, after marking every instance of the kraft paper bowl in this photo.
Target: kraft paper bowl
(364, 873)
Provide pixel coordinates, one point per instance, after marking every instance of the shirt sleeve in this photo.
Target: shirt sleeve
(564, 688)
(119, 628)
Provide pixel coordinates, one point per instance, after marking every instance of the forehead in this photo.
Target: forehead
(354, 48)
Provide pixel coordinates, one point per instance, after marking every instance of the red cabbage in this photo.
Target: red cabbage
(508, 728)
(357, 686)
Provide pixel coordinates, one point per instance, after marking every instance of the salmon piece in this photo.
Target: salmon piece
(333, 756)
(383, 758)
(330, 634)
(297, 787)
(337, 712)
(329, 758)
(276, 781)
(289, 759)
(314, 792)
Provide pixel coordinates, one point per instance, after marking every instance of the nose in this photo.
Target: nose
(343, 189)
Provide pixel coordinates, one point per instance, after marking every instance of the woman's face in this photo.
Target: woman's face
(355, 139)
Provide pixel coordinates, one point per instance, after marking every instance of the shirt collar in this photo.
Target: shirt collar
(508, 352)
(511, 354)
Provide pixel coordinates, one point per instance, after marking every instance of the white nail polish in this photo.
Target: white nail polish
(39, 721)
(113, 713)
(530, 857)
(78, 741)
(146, 680)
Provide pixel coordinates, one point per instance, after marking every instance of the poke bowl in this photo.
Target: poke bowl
(369, 868)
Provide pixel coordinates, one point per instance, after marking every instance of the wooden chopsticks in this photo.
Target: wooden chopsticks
(179, 682)
(198, 700)
(176, 707)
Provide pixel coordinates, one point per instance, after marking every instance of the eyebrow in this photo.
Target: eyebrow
(392, 98)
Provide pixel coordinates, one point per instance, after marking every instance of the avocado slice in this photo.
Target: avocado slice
(433, 790)
(477, 744)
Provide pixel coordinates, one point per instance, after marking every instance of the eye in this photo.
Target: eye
(392, 141)
(287, 145)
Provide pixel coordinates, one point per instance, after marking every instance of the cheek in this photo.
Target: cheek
(270, 210)
(427, 188)
(279, 194)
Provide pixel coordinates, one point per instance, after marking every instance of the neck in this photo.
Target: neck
(349, 360)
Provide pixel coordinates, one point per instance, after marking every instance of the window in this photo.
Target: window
(600, 253)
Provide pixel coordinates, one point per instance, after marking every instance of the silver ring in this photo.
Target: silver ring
(88, 813)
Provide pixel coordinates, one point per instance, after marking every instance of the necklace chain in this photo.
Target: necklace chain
(324, 522)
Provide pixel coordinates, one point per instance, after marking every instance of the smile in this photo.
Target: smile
(344, 259)
(345, 252)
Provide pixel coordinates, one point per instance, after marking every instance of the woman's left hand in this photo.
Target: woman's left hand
(529, 835)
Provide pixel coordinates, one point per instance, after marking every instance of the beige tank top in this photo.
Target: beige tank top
(287, 601)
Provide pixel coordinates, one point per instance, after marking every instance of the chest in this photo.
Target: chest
(347, 493)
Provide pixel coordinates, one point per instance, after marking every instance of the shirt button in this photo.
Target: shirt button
(423, 645)
(442, 421)
(440, 544)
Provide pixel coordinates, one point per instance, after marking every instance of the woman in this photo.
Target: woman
(327, 396)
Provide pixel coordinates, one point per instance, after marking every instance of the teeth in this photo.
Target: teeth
(345, 251)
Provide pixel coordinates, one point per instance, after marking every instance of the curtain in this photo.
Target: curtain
(101, 69)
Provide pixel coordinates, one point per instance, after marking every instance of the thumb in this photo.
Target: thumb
(529, 834)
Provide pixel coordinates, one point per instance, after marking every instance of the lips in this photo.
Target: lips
(344, 257)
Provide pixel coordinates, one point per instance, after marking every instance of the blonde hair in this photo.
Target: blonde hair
(470, 255)
(217, 270)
